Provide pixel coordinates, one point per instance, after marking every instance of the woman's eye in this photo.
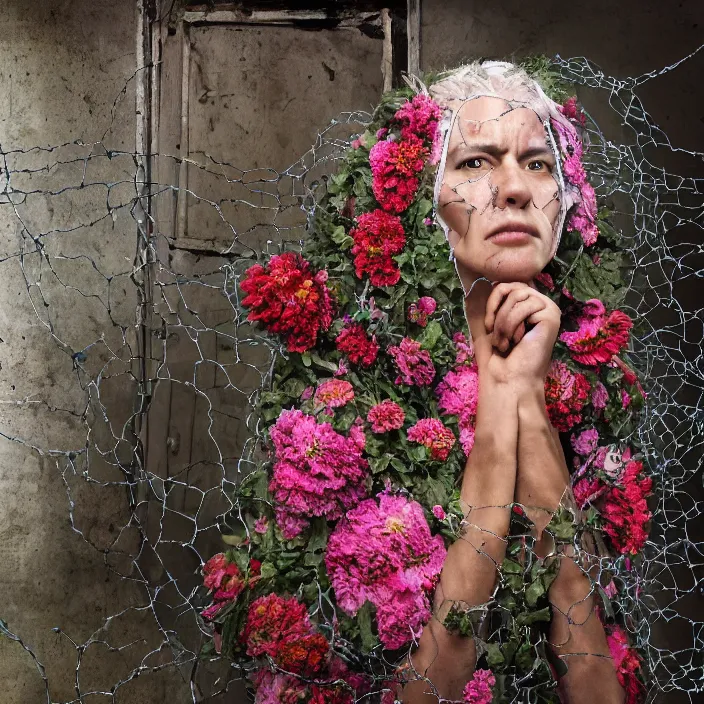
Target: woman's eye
(474, 163)
(538, 165)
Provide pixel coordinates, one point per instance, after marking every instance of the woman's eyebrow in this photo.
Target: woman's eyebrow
(537, 151)
(487, 148)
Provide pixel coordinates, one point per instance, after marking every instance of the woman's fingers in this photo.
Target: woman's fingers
(503, 332)
(495, 300)
(508, 322)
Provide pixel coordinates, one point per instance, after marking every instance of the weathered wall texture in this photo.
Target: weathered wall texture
(65, 75)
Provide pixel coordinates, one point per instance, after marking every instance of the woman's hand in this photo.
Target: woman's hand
(508, 351)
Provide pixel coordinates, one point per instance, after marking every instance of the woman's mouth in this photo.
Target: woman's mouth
(510, 236)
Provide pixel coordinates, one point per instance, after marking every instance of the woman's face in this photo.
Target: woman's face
(498, 195)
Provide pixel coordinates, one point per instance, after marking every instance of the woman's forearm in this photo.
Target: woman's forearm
(469, 572)
(576, 633)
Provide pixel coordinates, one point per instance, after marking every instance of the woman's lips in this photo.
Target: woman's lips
(511, 237)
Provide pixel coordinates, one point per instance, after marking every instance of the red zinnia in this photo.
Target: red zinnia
(566, 393)
(599, 336)
(273, 620)
(353, 342)
(289, 299)
(377, 237)
(303, 655)
(626, 510)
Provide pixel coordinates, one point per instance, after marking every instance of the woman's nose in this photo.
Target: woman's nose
(511, 187)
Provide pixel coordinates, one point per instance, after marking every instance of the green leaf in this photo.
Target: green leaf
(534, 592)
(511, 567)
(319, 535)
(524, 657)
(494, 656)
(379, 464)
(268, 571)
(323, 363)
(431, 335)
(293, 387)
(525, 618)
(305, 358)
(340, 237)
(364, 621)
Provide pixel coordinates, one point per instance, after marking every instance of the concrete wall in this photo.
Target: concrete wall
(66, 72)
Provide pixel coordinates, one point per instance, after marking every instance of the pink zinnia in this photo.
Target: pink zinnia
(463, 349)
(419, 117)
(413, 363)
(625, 398)
(261, 525)
(334, 393)
(458, 394)
(583, 219)
(386, 416)
(317, 472)
(478, 689)
(439, 512)
(600, 396)
(431, 433)
(600, 336)
(383, 552)
(585, 443)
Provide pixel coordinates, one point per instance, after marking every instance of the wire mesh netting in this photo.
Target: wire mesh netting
(157, 420)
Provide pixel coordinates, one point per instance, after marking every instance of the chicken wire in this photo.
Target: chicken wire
(162, 409)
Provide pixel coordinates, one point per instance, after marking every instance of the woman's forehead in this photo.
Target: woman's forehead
(488, 118)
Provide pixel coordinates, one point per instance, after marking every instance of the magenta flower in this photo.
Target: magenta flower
(585, 443)
(317, 471)
(458, 393)
(413, 363)
(439, 512)
(478, 689)
(261, 525)
(386, 416)
(395, 166)
(383, 552)
(600, 396)
(583, 219)
(463, 349)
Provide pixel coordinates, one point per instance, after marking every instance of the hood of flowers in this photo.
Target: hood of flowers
(369, 417)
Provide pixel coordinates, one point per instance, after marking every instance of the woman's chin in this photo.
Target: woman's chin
(513, 274)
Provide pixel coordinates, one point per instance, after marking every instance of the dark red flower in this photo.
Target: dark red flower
(353, 342)
(289, 299)
(566, 393)
(600, 336)
(378, 236)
